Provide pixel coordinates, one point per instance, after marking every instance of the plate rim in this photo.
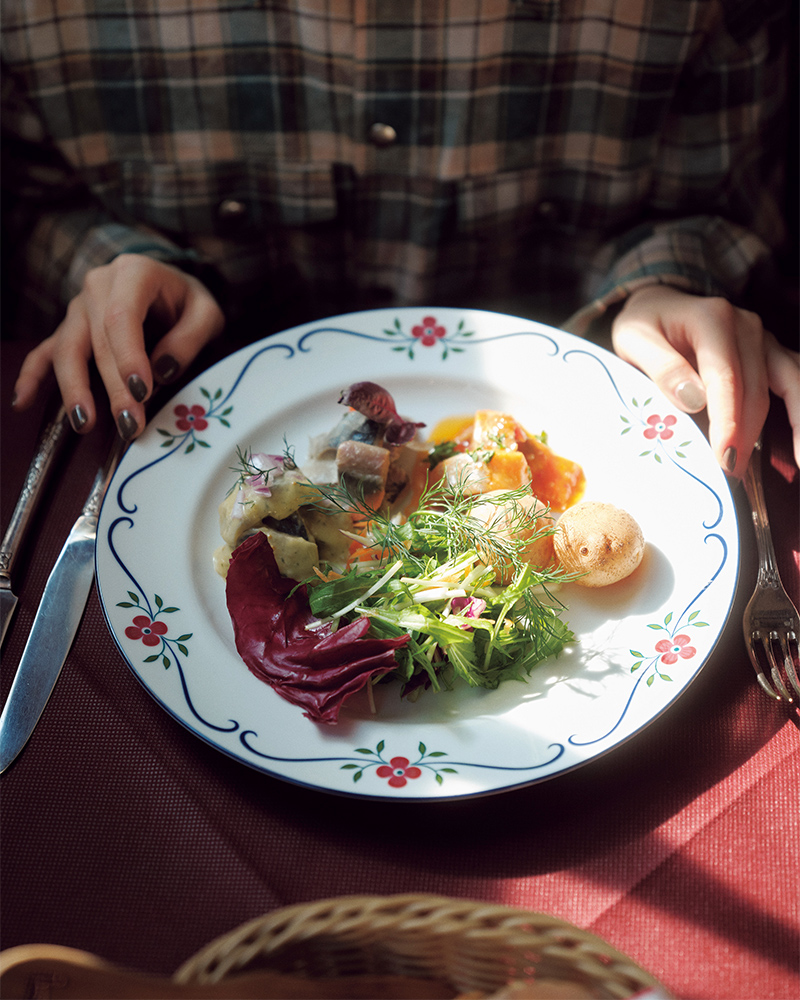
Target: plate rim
(297, 335)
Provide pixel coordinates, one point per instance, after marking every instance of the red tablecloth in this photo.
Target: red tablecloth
(125, 835)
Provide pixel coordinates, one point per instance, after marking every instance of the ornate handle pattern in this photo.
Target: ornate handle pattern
(49, 444)
(94, 501)
(768, 575)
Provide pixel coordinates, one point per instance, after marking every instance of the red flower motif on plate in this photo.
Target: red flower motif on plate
(428, 332)
(398, 771)
(673, 648)
(148, 631)
(660, 427)
(190, 417)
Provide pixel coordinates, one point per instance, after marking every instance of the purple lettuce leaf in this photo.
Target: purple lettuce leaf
(284, 645)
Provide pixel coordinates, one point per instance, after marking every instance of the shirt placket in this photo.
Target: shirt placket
(382, 111)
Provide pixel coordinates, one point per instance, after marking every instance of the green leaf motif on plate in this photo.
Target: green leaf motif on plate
(428, 333)
(192, 421)
(656, 429)
(148, 628)
(670, 650)
(398, 770)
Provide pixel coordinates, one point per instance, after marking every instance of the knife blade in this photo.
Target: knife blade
(53, 436)
(56, 622)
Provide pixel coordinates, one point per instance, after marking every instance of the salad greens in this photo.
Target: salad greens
(432, 577)
(461, 588)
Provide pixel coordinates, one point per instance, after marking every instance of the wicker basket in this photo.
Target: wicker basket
(473, 946)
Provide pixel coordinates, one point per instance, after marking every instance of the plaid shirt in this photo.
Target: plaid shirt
(537, 156)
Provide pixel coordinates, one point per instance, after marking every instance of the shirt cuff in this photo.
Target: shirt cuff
(702, 255)
(105, 243)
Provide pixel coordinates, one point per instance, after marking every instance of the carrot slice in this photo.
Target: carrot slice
(508, 470)
(556, 481)
(493, 429)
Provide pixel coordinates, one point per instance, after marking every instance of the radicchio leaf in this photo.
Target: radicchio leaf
(284, 645)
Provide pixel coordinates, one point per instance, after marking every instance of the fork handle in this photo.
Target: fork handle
(768, 575)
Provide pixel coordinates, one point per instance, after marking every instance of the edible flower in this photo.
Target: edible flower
(258, 466)
(468, 607)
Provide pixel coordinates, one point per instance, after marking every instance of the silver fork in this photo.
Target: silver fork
(771, 622)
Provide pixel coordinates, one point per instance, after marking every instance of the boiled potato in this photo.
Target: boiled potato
(509, 516)
(600, 541)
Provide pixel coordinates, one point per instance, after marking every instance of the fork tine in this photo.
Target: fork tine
(775, 668)
(786, 642)
(753, 642)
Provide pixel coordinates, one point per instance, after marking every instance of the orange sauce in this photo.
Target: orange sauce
(450, 428)
(556, 481)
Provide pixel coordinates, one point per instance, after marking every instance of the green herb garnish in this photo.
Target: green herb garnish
(433, 576)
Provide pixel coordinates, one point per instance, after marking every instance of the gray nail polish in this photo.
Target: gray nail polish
(126, 425)
(165, 368)
(137, 388)
(691, 395)
(729, 458)
(77, 417)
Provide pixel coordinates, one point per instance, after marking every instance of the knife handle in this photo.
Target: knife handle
(104, 475)
(49, 444)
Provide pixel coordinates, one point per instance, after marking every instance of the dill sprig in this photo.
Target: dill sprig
(442, 551)
(243, 470)
(445, 523)
(246, 468)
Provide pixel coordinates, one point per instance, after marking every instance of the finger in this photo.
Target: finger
(128, 413)
(200, 321)
(129, 416)
(34, 370)
(669, 334)
(642, 343)
(732, 363)
(66, 353)
(783, 371)
(128, 288)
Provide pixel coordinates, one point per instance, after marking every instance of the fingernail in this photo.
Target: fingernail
(691, 395)
(729, 459)
(137, 388)
(165, 368)
(126, 425)
(14, 400)
(77, 417)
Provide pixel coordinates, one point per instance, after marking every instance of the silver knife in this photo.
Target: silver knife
(56, 621)
(49, 445)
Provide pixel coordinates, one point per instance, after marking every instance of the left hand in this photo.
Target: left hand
(707, 352)
(105, 322)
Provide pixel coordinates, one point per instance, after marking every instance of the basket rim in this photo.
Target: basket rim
(268, 934)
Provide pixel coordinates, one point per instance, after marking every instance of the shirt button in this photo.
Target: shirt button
(231, 210)
(548, 211)
(381, 134)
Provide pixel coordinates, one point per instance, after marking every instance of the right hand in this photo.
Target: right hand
(106, 321)
(722, 352)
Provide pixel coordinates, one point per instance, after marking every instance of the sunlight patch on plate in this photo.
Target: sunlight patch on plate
(640, 642)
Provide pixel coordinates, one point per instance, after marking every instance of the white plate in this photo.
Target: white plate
(641, 641)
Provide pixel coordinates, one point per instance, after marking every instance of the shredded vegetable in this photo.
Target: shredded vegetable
(430, 566)
(433, 578)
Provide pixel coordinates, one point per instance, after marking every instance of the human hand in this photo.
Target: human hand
(705, 352)
(106, 321)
